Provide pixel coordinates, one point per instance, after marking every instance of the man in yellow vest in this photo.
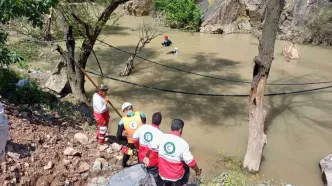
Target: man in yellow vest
(129, 124)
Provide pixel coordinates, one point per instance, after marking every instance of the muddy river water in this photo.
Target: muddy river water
(300, 125)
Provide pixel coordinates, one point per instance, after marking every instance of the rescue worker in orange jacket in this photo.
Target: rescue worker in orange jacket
(129, 124)
(101, 112)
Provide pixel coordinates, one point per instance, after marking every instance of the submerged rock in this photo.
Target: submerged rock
(326, 167)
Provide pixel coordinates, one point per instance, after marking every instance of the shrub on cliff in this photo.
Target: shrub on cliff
(321, 27)
(184, 14)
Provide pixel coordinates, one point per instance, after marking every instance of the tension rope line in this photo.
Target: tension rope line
(211, 77)
(203, 94)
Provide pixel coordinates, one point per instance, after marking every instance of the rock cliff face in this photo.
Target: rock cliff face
(228, 16)
(138, 7)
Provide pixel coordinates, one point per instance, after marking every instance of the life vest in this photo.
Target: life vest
(131, 124)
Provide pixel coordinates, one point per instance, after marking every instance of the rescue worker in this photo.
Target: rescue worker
(174, 51)
(167, 42)
(129, 124)
(143, 138)
(101, 112)
(175, 157)
(3, 132)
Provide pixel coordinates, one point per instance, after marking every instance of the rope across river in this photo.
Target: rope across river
(205, 94)
(206, 76)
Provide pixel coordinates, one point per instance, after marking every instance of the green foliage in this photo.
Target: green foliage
(10, 9)
(7, 56)
(28, 94)
(184, 14)
(320, 27)
(31, 9)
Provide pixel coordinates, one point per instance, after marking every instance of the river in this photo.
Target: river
(300, 129)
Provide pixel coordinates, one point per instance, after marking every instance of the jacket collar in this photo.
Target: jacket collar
(176, 133)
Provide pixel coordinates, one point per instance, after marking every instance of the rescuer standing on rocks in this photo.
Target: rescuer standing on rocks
(143, 138)
(101, 112)
(129, 124)
(3, 132)
(175, 157)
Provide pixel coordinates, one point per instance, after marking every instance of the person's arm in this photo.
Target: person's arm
(190, 160)
(104, 104)
(143, 117)
(120, 131)
(136, 138)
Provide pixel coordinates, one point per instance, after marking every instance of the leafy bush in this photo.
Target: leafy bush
(28, 94)
(6, 56)
(320, 27)
(180, 13)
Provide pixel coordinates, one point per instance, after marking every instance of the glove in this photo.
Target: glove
(128, 151)
(124, 150)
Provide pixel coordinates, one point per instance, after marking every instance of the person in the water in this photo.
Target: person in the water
(175, 51)
(167, 42)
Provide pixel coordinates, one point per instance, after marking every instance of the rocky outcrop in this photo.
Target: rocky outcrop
(229, 16)
(138, 7)
(326, 167)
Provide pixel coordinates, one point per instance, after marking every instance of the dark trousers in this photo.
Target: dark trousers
(126, 156)
(182, 181)
(154, 171)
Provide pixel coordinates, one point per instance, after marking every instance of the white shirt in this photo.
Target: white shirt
(146, 134)
(99, 105)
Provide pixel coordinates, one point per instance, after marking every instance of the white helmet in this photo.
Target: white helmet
(176, 48)
(125, 105)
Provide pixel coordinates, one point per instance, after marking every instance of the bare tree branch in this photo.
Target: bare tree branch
(84, 24)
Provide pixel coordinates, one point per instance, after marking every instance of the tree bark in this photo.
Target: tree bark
(75, 75)
(257, 138)
(48, 23)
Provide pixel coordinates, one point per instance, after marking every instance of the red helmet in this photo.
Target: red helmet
(166, 36)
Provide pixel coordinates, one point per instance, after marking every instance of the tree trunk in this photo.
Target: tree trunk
(48, 23)
(129, 66)
(257, 139)
(75, 75)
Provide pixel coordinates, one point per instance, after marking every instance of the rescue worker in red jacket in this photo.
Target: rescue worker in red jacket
(129, 124)
(175, 157)
(143, 137)
(101, 112)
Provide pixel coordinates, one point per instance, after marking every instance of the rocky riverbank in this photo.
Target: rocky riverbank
(46, 149)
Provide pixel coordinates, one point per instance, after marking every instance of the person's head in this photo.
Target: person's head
(175, 49)
(156, 118)
(166, 37)
(103, 89)
(177, 125)
(127, 107)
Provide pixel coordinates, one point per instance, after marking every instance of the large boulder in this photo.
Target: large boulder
(136, 175)
(231, 16)
(138, 7)
(58, 79)
(326, 167)
(249, 15)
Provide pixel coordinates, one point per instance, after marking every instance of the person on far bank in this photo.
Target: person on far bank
(175, 157)
(166, 42)
(129, 124)
(143, 138)
(3, 132)
(101, 112)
